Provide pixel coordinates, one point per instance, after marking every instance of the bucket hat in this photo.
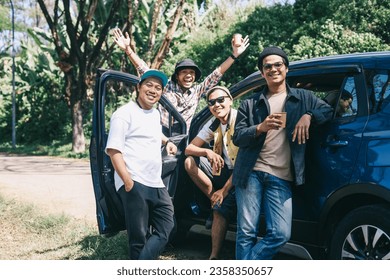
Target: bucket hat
(183, 64)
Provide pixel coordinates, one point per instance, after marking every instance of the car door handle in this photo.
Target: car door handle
(337, 143)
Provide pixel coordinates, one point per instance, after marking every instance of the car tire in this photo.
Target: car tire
(362, 234)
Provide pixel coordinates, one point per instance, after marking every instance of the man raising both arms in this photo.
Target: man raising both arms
(182, 90)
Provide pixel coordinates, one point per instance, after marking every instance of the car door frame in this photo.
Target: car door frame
(109, 212)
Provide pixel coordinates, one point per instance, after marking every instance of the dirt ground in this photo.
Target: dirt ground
(65, 186)
(56, 185)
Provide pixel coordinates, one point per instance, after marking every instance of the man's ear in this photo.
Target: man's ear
(137, 90)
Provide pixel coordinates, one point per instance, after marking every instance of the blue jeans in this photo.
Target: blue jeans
(274, 195)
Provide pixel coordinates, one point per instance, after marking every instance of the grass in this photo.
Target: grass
(29, 234)
(56, 148)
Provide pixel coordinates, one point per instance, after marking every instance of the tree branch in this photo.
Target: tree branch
(133, 8)
(156, 64)
(153, 30)
(103, 35)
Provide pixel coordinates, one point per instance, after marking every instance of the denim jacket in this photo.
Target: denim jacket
(254, 110)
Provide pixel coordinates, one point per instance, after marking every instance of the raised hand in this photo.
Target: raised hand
(238, 49)
(122, 41)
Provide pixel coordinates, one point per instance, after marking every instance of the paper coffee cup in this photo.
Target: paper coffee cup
(283, 117)
(216, 172)
(237, 40)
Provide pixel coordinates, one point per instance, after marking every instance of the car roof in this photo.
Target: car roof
(379, 60)
(368, 59)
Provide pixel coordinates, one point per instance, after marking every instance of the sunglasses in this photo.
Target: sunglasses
(220, 100)
(277, 65)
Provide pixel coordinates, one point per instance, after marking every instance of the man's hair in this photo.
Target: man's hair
(345, 95)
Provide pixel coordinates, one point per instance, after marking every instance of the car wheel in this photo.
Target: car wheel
(363, 234)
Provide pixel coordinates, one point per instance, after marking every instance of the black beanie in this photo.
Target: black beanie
(270, 51)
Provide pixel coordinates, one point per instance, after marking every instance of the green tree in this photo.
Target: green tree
(208, 43)
(78, 31)
(335, 39)
(361, 16)
(78, 34)
(371, 16)
(80, 37)
(41, 111)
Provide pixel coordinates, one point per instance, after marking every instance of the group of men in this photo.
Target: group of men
(256, 158)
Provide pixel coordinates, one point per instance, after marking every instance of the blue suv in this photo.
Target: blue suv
(342, 211)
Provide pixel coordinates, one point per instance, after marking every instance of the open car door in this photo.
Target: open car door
(112, 90)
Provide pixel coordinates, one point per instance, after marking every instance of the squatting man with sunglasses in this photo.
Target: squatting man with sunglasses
(211, 170)
(271, 157)
(182, 89)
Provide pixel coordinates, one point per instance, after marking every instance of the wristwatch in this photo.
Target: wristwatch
(310, 114)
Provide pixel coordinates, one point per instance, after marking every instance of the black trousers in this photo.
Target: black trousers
(144, 207)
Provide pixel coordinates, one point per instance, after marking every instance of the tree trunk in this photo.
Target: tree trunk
(133, 6)
(73, 94)
(153, 29)
(168, 37)
(78, 139)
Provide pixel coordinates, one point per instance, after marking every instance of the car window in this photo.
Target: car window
(347, 101)
(379, 90)
(337, 89)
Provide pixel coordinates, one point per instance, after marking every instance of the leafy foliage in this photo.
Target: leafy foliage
(334, 39)
(42, 114)
(305, 29)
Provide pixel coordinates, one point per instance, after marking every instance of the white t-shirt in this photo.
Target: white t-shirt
(207, 135)
(136, 133)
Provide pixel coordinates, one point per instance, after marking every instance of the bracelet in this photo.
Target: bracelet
(232, 56)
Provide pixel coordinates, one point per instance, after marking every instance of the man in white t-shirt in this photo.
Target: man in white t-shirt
(211, 170)
(134, 146)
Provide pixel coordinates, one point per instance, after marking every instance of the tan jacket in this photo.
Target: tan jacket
(226, 139)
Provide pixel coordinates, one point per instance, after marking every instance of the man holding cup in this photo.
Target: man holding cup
(211, 170)
(271, 131)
